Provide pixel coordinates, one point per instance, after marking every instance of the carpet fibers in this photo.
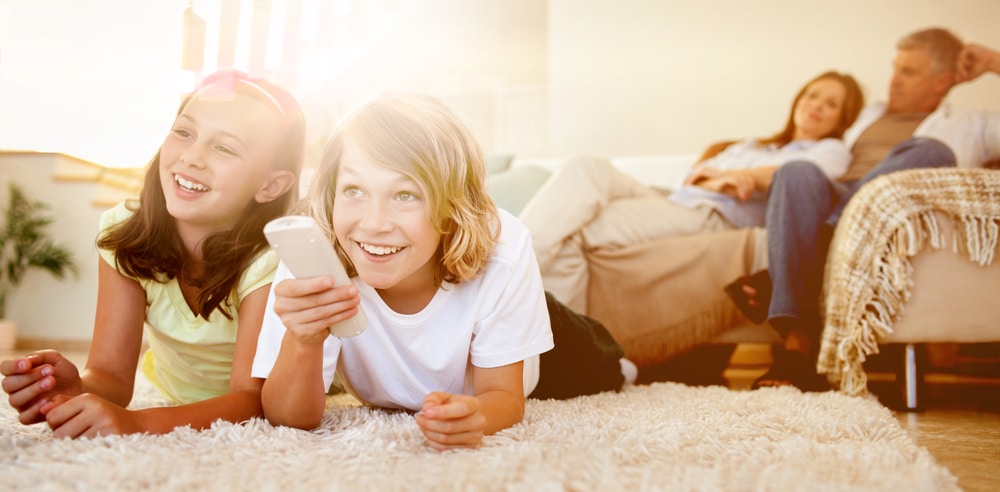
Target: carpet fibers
(663, 436)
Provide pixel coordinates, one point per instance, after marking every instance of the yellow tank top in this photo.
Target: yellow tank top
(189, 358)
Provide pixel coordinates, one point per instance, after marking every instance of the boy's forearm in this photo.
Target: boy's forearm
(502, 410)
(293, 394)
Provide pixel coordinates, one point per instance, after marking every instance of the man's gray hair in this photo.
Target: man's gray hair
(941, 44)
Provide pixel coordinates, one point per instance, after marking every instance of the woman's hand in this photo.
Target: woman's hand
(309, 306)
(736, 184)
(700, 174)
(452, 421)
(36, 379)
(89, 415)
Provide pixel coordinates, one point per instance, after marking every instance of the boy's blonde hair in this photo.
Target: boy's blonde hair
(421, 138)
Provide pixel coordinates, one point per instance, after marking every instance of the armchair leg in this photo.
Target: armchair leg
(912, 378)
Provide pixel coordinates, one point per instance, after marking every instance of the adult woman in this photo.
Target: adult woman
(588, 204)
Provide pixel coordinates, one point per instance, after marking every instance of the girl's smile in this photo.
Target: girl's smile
(189, 185)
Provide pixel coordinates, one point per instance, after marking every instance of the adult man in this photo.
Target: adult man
(914, 130)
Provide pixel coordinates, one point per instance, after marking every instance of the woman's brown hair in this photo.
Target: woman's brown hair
(854, 100)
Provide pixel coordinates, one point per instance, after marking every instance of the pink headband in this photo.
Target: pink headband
(229, 79)
(267, 94)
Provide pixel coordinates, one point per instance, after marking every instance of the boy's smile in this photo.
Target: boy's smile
(382, 221)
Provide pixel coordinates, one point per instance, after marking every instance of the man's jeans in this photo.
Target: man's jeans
(801, 200)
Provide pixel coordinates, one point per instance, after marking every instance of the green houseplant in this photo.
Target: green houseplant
(25, 245)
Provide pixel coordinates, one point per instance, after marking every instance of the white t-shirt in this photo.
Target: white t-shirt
(496, 319)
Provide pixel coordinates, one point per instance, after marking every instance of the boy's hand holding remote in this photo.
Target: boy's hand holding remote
(308, 307)
(309, 255)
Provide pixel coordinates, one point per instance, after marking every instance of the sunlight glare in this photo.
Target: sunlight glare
(274, 52)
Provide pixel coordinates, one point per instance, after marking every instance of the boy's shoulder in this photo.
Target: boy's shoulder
(512, 230)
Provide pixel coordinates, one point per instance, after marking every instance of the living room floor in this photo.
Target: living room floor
(960, 424)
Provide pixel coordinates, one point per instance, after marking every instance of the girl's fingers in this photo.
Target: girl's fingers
(25, 389)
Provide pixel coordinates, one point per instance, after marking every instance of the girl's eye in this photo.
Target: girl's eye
(180, 132)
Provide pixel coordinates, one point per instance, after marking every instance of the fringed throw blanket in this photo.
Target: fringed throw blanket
(886, 223)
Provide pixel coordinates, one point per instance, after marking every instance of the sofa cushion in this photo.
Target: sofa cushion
(511, 189)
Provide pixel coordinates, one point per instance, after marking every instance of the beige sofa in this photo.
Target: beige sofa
(662, 298)
(913, 261)
(683, 305)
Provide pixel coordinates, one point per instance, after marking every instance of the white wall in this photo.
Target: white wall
(639, 77)
(44, 307)
(95, 78)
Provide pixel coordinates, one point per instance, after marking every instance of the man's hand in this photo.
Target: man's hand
(975, 60)
(451, 421)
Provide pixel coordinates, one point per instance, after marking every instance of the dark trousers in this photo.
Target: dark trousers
(803, 207)
(585, 359)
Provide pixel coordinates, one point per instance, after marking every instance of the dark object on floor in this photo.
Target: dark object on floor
(703, 365)
(584, 360)
(793, 368)
(761, 282)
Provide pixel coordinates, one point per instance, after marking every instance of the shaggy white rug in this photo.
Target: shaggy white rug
(660, 437)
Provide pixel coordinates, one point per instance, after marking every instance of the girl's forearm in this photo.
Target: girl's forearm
(107, 385)
(236, 406)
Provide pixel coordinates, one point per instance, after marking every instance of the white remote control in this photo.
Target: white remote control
(307, 252)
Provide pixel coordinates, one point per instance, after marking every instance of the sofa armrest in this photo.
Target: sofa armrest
(869, 270)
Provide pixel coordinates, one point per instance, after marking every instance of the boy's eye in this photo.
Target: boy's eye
(225, 150)
(406, 196)
(351, 191)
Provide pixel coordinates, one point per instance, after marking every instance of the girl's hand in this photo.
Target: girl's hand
(37, 379)
(309, 306)
(89, 415)
(451, 421)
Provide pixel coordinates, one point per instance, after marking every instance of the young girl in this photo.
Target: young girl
(457, 316)
(191, 262)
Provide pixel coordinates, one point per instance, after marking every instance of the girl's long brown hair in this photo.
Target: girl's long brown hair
(147, 245)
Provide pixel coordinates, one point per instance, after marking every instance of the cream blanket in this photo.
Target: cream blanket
(886, 223)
